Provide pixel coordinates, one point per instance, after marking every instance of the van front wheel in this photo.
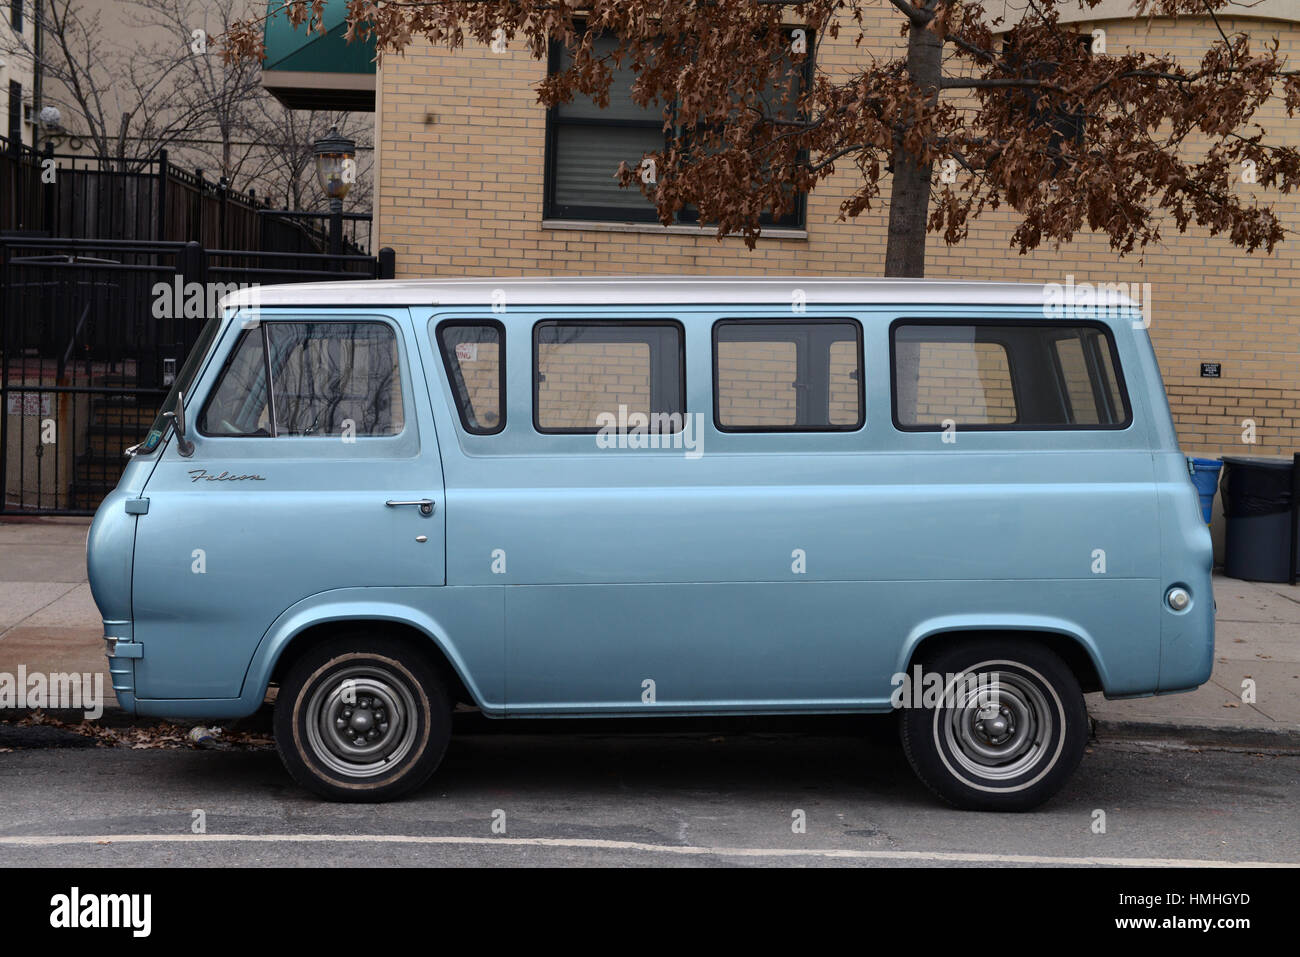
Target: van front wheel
(1006, 733)
(361, 718)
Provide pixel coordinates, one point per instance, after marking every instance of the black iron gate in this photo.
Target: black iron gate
(91, 333)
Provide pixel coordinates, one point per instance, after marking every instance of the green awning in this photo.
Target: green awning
(318, 71)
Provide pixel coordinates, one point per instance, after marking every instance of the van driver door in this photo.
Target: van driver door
(313, 467)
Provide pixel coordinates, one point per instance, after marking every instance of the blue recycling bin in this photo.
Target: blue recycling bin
(1205, 476)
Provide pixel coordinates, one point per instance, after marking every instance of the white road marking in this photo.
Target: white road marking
(952, 857)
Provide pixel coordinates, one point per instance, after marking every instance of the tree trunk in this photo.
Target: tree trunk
(123, 128)
(909, 197)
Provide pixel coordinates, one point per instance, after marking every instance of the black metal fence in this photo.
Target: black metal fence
(91, 332)
(89, 197)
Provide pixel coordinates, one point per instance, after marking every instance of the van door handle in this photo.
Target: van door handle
(426, 505)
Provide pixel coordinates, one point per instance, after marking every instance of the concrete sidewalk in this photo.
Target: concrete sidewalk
(49, 623)
(48, 620)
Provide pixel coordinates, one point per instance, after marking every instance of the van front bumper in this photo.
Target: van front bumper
(122, 651)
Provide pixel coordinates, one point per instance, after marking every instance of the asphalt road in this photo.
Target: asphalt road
(666, 799)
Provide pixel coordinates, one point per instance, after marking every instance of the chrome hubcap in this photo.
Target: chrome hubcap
(362, 721)
(1000, 738)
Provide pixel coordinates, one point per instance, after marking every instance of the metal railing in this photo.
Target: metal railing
(93, 197)
(90, 334)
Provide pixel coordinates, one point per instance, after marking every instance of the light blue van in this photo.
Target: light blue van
(632, 497)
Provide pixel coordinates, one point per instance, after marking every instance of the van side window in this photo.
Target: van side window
(586, 372)
(782, 375)
(325, 378)
(1006, 375)
(1075, 355)
(475, 362)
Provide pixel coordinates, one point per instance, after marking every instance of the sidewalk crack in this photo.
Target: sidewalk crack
(1236, 695)
(1282, 594)
(58, 597)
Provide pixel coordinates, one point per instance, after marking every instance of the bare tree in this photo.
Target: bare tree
(224, 98)
(119, 97)
(163, 84)
(262, 145)
(286, 166)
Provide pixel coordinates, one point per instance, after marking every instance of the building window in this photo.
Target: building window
(585, 145)
(16, 15)
(1006, 376)
(1068, 125)
(589, 374)
(780, 375)
(474, 357)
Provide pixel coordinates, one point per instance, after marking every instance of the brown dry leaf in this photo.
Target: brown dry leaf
(161, 735)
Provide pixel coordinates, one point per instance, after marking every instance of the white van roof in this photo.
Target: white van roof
(655, 290)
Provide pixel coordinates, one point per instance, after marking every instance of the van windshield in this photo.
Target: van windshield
(184, 379)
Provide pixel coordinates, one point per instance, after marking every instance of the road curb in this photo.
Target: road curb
(116, 717)
(113, 716)
(1103, 729)
(1244, 739)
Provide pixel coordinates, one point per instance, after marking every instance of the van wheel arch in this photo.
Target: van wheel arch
(1067, 647)
(418, 640)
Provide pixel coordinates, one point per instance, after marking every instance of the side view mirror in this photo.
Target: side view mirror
(183, 445)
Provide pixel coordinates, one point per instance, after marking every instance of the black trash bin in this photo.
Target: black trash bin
(1259, 508)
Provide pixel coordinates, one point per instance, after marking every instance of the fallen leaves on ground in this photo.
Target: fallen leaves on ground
(164, 734)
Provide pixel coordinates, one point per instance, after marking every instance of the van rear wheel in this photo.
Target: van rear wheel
(362, 718)
(1008, 732)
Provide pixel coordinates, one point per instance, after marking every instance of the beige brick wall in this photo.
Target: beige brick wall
(582, 380)
(756, 383)
(461, 146)
(968, 382)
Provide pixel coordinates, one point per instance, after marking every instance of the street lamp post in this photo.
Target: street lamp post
(336, 171)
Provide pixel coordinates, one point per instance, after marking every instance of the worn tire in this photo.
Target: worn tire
(1013, 760)
(362, 717)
